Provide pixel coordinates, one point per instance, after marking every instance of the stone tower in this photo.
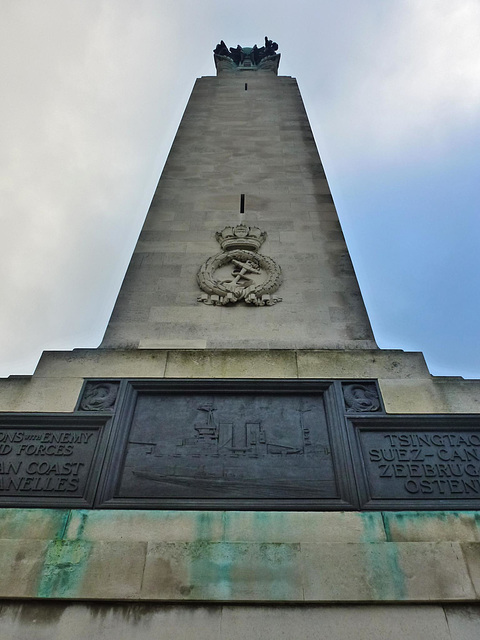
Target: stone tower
(238, 459)
(244, 158)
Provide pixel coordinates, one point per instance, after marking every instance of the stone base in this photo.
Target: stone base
(405, 382)
(240, 557)
(106, 621)
(197, 574)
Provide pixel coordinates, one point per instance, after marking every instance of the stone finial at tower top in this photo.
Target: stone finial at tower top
(254, 58)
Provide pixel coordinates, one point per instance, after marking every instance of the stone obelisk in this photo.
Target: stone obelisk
(144, 484)
(243, 174)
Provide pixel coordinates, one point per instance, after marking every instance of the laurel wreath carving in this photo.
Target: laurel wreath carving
(252, 294)
(99, 396)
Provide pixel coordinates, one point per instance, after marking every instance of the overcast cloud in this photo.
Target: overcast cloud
(93, 92)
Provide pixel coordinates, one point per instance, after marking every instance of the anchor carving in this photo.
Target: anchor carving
(237, 243)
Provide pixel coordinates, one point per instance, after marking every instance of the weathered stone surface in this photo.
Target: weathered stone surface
(471, 552)
(232, 556)
(404, 380)
(92, 570)
(432, 526)
(386, 571)
(223, 571)
(335, 623)
(32, 524)
(146, 526)
(231, 364)
(229, 526)
(171, 343)
(115, 570)
(435, 571)
(413, 396)
(296, 527)
(101, 363)
(463, 621)
(21, 563)
(41, 394)
(382, 364)
(278, 169)
(11, 391)
(461, 396)
(106, 621)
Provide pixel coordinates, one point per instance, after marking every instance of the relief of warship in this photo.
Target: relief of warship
(235, 457)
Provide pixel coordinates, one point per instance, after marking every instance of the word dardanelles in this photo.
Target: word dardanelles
(40, 476)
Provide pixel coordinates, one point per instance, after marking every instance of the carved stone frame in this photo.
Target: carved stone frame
(330, 392)
(410, 423)
(99, 423)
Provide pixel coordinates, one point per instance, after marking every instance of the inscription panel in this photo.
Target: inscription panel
(430, 462)
(50, 459)
(227, 446)
(239, 444)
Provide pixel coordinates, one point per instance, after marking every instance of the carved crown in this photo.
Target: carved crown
(241, 237)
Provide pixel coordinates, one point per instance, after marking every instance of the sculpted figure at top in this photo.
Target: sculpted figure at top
(254, 54)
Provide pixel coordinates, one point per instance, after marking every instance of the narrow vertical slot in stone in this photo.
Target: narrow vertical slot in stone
(242, 203)
(246, 86)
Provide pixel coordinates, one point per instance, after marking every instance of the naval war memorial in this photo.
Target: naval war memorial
(238, 459)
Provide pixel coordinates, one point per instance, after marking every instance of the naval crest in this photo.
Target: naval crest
(239, 272)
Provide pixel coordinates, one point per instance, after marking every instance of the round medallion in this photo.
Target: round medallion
(232, 276)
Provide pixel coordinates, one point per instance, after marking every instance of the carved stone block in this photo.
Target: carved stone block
(417, 462)
(239, 272)
(99, 396)
(238, 444)
(361, 397)
(51, 460)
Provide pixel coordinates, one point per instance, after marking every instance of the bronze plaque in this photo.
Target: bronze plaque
(418, 462)
(248, 444)
(50, 459)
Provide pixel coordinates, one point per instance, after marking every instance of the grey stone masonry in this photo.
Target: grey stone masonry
(244, 133)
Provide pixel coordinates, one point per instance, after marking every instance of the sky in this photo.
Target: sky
(93, 92)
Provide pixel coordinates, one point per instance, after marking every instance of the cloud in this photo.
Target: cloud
(414, 75)
(81, 104)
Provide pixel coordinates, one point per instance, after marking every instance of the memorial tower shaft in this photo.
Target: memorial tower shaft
(189, 480)
(244, 154)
